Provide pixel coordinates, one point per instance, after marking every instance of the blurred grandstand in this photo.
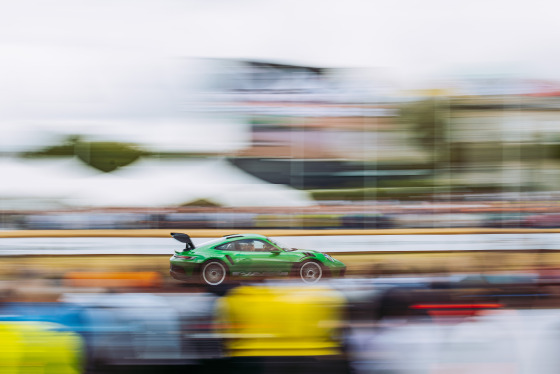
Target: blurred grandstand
(539, 213)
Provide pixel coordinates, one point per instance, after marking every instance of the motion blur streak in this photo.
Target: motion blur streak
(268, 144)
(415, 143)
(391, 324)
(282, 321)
(39, 347)
(283, 329)
(456, 306)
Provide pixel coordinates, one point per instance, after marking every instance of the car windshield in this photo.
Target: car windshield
(284, 246)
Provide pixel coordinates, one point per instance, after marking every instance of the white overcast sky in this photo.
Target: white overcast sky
(78, 61)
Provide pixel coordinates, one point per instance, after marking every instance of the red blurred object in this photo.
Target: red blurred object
(455, 310)
(457, 306)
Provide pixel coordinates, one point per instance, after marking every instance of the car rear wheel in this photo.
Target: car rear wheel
(310, 272)
(213, 273)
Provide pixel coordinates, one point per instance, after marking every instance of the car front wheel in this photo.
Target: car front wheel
(310, 272)
(213, 273)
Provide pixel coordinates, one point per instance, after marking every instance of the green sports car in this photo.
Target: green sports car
(246, 255)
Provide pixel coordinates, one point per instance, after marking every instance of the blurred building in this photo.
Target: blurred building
(313, 127)
(305, 137)
(505, 136)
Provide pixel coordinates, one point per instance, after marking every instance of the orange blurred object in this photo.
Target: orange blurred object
(113, 279)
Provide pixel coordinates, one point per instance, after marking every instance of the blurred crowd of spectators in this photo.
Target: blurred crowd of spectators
(341, 326)
(385, 215)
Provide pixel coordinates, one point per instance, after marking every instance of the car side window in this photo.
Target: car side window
(246, 245)
(243, 245)
(261, 246)
(227, 247)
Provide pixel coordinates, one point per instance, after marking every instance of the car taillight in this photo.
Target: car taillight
(185, 257)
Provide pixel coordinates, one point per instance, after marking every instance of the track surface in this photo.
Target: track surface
(348, 243)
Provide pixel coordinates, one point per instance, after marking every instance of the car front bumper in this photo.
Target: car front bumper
(337, 271)
(336, 268)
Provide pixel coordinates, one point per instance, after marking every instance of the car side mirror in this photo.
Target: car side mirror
(276, 251)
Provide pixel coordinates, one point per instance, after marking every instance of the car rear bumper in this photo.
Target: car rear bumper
(183, 270)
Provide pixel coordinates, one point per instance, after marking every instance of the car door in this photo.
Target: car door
(239, 257)
(269, 259)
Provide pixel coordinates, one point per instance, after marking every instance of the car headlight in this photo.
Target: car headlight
(329, 257)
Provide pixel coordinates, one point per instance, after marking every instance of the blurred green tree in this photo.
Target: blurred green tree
(428, 120)
(104, 156)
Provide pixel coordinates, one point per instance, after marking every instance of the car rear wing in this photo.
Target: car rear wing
(183, 238)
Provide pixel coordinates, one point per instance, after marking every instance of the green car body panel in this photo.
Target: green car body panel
(247, 255)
